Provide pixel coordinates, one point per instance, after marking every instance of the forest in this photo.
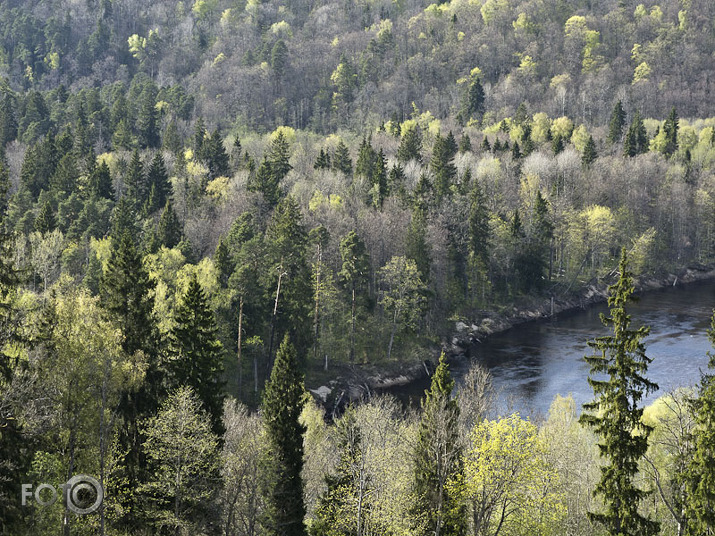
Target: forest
(209, 206)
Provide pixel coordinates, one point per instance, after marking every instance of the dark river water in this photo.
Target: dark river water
(534, 362)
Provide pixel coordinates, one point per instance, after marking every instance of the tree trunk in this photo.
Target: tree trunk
(352, 327)
(273, 321)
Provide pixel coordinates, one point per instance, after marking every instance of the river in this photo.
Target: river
(533, 362)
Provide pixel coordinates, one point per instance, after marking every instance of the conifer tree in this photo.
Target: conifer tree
(473, 102)
(158, 183)
(341, 159)
(636, 141)
(217, 158)
(589, 153)
(323, 160)
(615, 414)
(196, 353)
(354, 275)
(169, 230)
(148, 118)
(438, 507)
(265, 182)
(671, 126)
(279, 157)
(135, 182)
(379, 178)
(172, 140)
(281, 483)
(45, 220)
(616, 123)
(410, 146)
(100, 181)
(442, 165)
(700, 477)
(557, 144)
(367, 156)
(416, 246)
(465, 144)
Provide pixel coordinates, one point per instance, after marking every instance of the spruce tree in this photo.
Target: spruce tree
(354, 275)
(486, 147)
(589, 153)
(265, 182)
(148, 119)
(135, 181)
(341, 159)
(196, 354)
(700, 477)
(410, 146)
(465, 144)
(442, 165)
(473, 103)
(365, 164)
(615, 415)
(616, 123)
(636, 141)
(158, 183)
(100, 181)
(281, 483)
(217, 158)
(45, 220)
(279, 157)
(379, 178)
(323, 160)
(416, 246)
(169, 230)
(671, 126)
(438, 507)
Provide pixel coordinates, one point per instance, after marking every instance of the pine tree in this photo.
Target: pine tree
(410, 146)
(169, 230)
(442, 165)
(671, 126)
(281, 483)
(158, 183)
(589, 153)
(323, 160)
(136, 183)
(100, 181)
(700, 476)
(341, 159)
(473, 102)
(438, 508)
(636, 141)
(217, 158)
(196, 353)
(126, 295)
(615, 414)
(45, 220)
(264, 181)
(365, 164)
(148, 119)
(354, 275)
(616, 123)
(279, 157)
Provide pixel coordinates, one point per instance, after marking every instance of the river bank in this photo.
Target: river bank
(360, 382)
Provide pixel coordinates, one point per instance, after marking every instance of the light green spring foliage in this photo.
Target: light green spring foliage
(510, 481)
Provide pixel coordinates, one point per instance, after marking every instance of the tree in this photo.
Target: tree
(402, 295)
(616, 123)
(217, 158)
(379, 179)
(282, 486)
(196, 353)
(417, 247)
(148, 118)
(473, 101)
(158, 184)
(45, 220)
(615, 414)
(265, 182)
(410, 146)
(589, 153)
(323, 160)
(442, 164)
(182, 453)
(279, 157)
(169, 231)
(367, 156)
(100, 181)
(341, 159)
(636, 138)
(354, 274)
(509, 484)
(700, 476)
(136, 183)
(439, 507)
(670, 128)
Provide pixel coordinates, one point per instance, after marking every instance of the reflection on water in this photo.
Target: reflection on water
(534, 362)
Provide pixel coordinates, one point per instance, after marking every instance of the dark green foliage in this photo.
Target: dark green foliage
(366, 160)
(148, 119)
(515, 151)
(557, 145)
(485, 145)
(465, 144)
(45, 220)
(217, 158)
(671, 126)
(589, 153)
(170, 230)
(172, 140)
(636, 141)
(158, 184)
(341, 159)
(8, 120)
(124, 220)
(616, 123)
(410, 146)
(281, 483)
(437, 461)
(100, 181)
(196, 355)
(442, 165)
(615, 414)
(700, 477)
(265, 182)
(354, 275)
(279, 157)
(473, 101)
(323, 160)
(279, 58)
(379, 179)
(39, 166)
(64, 180)
(135, 181)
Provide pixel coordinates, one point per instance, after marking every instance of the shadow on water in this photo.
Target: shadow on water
(534, 362)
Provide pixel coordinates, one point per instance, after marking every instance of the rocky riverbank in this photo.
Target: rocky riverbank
(360, 383)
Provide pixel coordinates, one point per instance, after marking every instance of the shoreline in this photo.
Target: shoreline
(363, 383)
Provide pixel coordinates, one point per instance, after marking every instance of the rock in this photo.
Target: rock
(461, 326)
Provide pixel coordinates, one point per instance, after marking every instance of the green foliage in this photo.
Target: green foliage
(282, 486)
(615, 414)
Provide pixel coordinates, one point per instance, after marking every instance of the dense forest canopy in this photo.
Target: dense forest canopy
(204, 204)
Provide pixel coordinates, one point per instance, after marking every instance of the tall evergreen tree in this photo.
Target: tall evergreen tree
(341, 159)
(367, 156)
(438, 508)
(323, 160)
(281, 483)
(616, 123)
(442, 165)
(589, 153)
(416, 246)
(700, 477)
(100, 181)
(126, 295)
(196, 353)
(354, 274)
(671, 127)
(136, 183)
(217, 158)
(379, 178)
(148, 119)
(410, 146)
(636, 141)
(158, 184)
(279, 157)
(615, 414)
(169, 230)
(473, 101)
(264, 182)
(45, 220)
